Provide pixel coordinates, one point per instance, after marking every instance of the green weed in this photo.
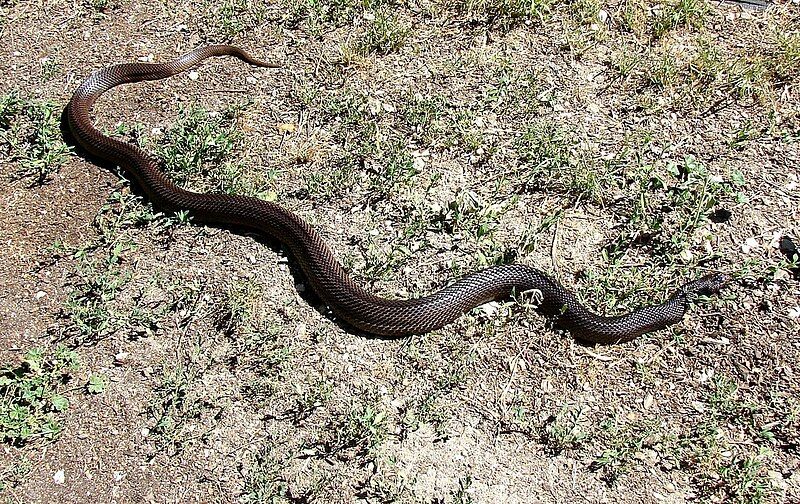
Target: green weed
(94, 306)
(508, 13)
(263, 482)
(385, 34)
(565, 430)
(365, 427)
(623, 443)
(90, 303)
(680, 13)
(30, 136)
(32, 395)
(669, 207)
(554, 160)
(744, 478)
(197, 141)
(197, 151)
(173, 409)
(461, 495)
(228, 18)
(321, 14)
(725, 472)
(252, 327)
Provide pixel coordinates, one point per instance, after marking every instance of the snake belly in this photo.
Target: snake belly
(331, 282)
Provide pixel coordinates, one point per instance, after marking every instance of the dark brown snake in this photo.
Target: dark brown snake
(362, 309)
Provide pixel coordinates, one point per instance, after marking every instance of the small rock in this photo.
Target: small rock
(193, 75)
(373, 105)
(490, 308)
(749, 245)
(59, 477)
(777, 479)
(121, 358)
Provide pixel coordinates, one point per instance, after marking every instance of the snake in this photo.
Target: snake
(347, 300)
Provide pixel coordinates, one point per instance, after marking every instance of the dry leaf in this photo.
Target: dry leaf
(286, 127)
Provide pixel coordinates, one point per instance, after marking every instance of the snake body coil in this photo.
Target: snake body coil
(328, 278)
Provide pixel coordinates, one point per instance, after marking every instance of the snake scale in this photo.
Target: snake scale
(358, 307)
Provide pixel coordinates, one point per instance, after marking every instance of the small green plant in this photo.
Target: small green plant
(785, 63)
(198, 139)
(174, 407)
(680, 13)
(461, 494)
(49, 67)
(623, 443)
(546, 143)
(634, 18)
(246, 307)
(14, 473)
(396, 167)
(313, 396)
(197, 151)
(662, 69)
(229, 18)
(252, 327)
(30, 136)
(32, 395)
(465, 132)
(384, 35)
(101, 6)
(669, 207)
(626, 61)
(122, 211)
(319, 14)
(744, 478)
(94, 307)
(565, 429)
(585, 12)
(365, 428)
(508, 13)
(263, 482)
(90, 305)
(554, 159)
(725, 472)
(724, 396)
(424, 116)
(96, 384)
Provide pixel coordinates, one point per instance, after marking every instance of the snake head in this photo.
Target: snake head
(706, 285)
